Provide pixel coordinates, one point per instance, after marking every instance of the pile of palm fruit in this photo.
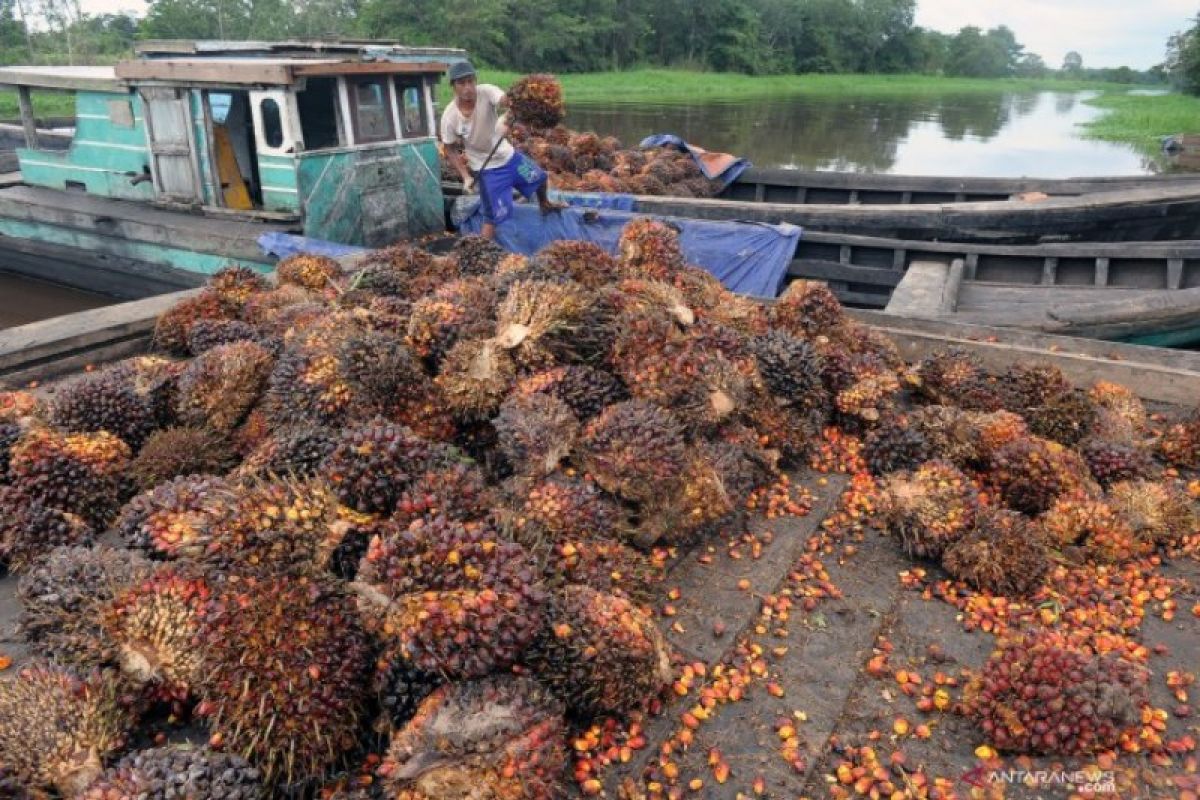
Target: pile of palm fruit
(394, 532)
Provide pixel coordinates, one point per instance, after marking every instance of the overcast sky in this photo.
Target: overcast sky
(1108, 33)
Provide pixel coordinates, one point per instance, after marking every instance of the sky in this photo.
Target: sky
(1107, 33)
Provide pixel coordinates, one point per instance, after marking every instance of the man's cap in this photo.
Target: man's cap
(460, 69)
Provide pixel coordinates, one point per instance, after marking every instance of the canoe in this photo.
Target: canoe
(935, 290)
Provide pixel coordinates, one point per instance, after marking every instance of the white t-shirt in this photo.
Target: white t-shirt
(478, 131)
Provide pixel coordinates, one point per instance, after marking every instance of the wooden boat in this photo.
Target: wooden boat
(181, 157)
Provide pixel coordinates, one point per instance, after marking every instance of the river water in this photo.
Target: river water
(24, 300)
(1006, 134)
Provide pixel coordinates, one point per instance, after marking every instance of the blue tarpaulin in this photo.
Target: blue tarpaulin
(715, 166)
(747, 257)
(282, 245)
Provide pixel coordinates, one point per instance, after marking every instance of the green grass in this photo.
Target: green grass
(1142, 120)
(682, 86)
(45, 104)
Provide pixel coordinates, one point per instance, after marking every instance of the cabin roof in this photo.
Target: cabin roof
(295, 47)
(256, 70)
(66, 78)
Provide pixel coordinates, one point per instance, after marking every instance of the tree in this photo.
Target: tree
(13, 36)
(1072, 64)
(1031, 65)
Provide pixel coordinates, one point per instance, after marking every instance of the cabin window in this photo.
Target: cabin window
(414, 118)
(370, 103)
(272, 122)
(317, 104)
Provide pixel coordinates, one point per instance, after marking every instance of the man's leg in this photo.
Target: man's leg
(544, 201)
(488, 231)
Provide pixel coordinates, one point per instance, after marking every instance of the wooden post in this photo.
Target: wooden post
(1102, 271)
(27, 121)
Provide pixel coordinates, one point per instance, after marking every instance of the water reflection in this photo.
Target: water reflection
(1003, 134)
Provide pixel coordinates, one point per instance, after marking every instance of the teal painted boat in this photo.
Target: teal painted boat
(182, 156)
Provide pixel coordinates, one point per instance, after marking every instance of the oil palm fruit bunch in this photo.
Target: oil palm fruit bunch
(1093, 526)
(308, 271)
(896, 444)
(477, 256)
(378, 279)
(1180, 443)
(585, 390)
(1003, 554)
(600, 653)
(285, 668)
(649, 249)
(1031, 473)
(537, 101)
(172, 327)
(640, 296)
(586, 263)
(1111, 462)
(219, 386)
(633, 449)
(205, 334)
(599, 562)
(930, 508)
(475, 377)
(57, 728)
(1027, 385)
(869, 397)
(1159, 513)
(176, 519)
(566, 507)
(177, 772)
(276, 523)
(497, 737)
(807, 309)
(182, 450)
(153, 628)
(1066, 418)
(1045, 694)
(451, 485)
(308, 387)
(296, 451)
(105, 400)
(399, 689)
(372, 463)
(272, 312)
(29, 529)
(788, 431)
(1120, 414)
(992, 430)
(456, 310)
(457, 599)
(536, 321)
(20, 407)
(61, 597)
(235, 284)
(10, 432)
(79, 474)
(955, 377)
(535, 433)
(383, 370)
(791, 369)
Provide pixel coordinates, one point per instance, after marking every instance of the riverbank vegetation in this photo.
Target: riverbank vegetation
(1143, 120)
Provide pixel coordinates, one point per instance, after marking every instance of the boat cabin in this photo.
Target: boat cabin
(338, 136)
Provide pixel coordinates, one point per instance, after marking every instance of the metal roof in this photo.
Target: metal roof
(253, 70)
(64, 78)
(295, 47)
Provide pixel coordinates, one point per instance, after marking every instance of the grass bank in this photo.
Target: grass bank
(682, 86)
(45, 104)
(1142, 120)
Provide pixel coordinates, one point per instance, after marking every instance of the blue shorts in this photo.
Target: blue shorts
(496, 185)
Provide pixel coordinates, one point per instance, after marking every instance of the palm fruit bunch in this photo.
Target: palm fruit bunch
(10, 432)
(649, 249)
(1111, 462)
(537, 320)
(496, 737)
(477, 256)
(896, 444)
(276, 523)
(297, 451)
(275, 311)
(455, 311)
(475, 377)
(930, 508)
(29, 529)
(173, 326)
(308, 387)
(1031, 473)
(993, 430)
(399, 689)
(807, 309)
(78, 474)
(870, 396)
(1120, 414)
(106, 400)
(177, 772)
(535, 433)
(182, 450)
(599, 562)
(1180, 443)
(153, 628)
(537, 101)
(1044, 694)
(176, 519)
(955, 377)
(62, 596)
(57, 728)
(20, 407)
(372, 463)
(633, 449)
(565, 507)
(791, 368)
(1002, 554)
(307, 271)
(1065, 418)
(1159, 513)
(600, 653)
(285, 667)
(378, 279)
(384, 372)
(205, 334)
(586, 263)
(585, 390)
(1094, 527)
(236, 284)
(218, 387)
(451, 485)
(1026, 385)
(458, 600)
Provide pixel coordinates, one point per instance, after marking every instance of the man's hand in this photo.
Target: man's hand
(468, 185)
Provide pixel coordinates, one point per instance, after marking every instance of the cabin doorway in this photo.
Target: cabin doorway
(169, 131)
(234, 149)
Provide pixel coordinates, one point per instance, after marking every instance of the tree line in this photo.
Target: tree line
(749, 36)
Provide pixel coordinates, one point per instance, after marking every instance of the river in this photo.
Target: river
(26, 300)
(1005, 134)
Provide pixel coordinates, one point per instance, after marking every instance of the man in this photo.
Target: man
(473, 119)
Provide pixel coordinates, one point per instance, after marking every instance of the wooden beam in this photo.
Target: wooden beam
(373, 68)
(27, 120)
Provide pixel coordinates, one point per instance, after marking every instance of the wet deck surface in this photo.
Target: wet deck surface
(23, 300)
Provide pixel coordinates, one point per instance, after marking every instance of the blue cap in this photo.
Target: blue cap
(460, 69)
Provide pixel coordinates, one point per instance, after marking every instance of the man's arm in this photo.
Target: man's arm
(460, 166)
(452, 144)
